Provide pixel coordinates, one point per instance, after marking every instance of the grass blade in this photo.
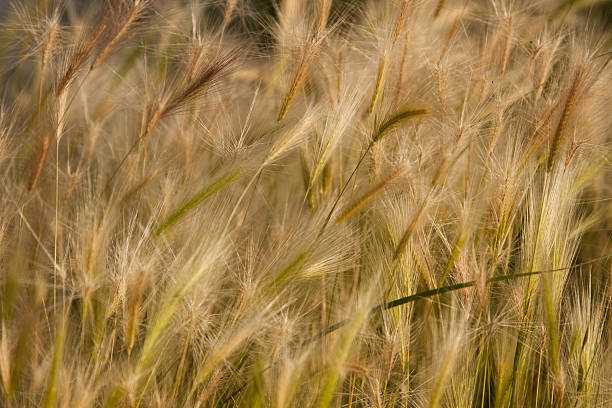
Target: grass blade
(197, 200)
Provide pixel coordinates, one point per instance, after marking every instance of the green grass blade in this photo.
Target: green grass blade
(438, 291)
(197, 200)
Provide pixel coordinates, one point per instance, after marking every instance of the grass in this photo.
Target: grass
(305, 203)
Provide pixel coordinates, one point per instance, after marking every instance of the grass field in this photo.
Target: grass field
(295, 203)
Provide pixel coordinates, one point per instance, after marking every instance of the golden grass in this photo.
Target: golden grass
(305, 203)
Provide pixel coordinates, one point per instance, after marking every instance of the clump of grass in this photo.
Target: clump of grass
(304, 203)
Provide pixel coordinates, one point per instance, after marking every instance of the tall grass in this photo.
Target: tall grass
(305, 203)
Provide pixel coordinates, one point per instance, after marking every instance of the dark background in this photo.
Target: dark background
(264, 10)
